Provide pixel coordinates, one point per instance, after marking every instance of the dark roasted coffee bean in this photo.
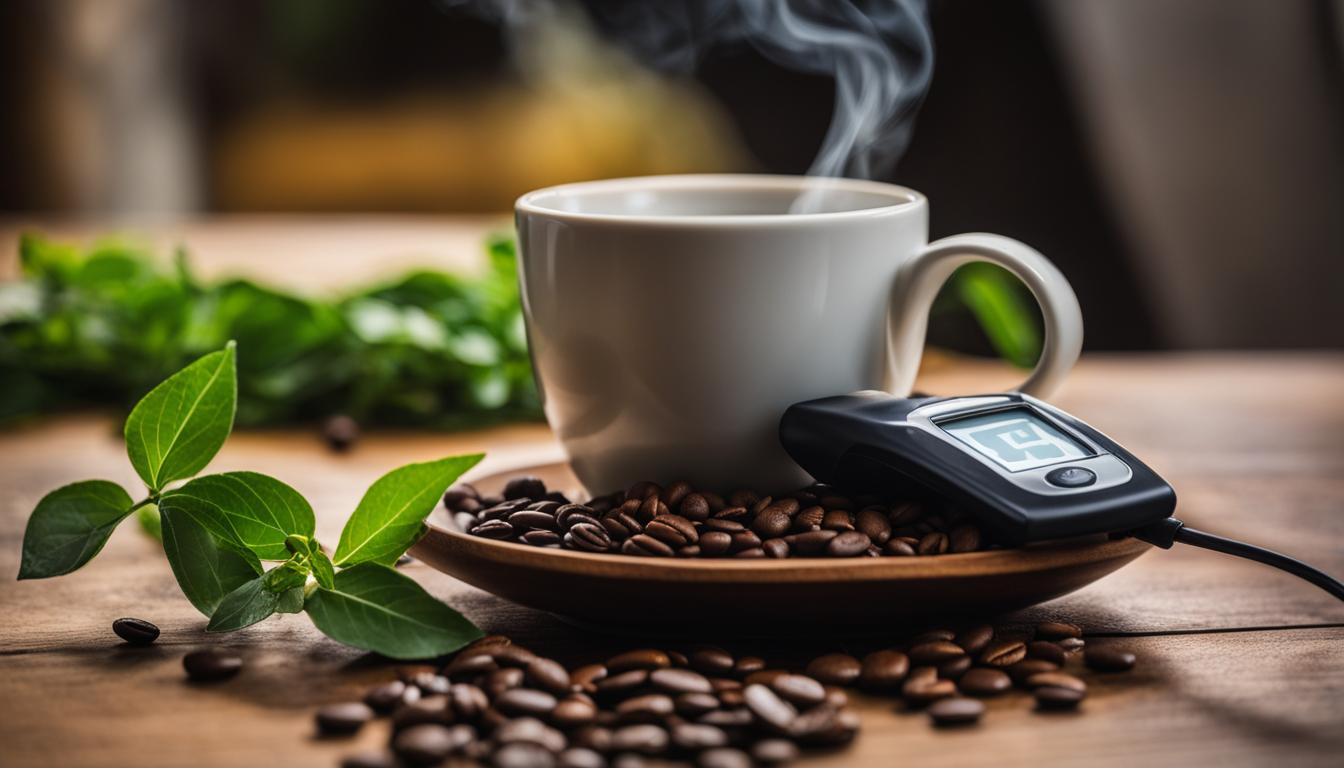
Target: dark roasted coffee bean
(837, 520)
(432, 709)
(546, 506)
(873, 523)
(642, 658)
(834, 669)
(775, 548)
(496, 683)
(883, 670)
(675, 493)
(468, 701)
(585, 678)
(1050, 697)
(490, 500)
(771, 523)
(427, 744)
(769, 708)
(694, 737)
(745, 665)
(531, 731)
(493, 529)
(343, 718)
(570, 514)
(932, 544)
(933, 636)
(579, 757)
(754, 552)
(548, 675)
(466, 667)
(808, 519)
(905, 514)
(974, 640)
(542, 538)
(1003, 653)
(430, 683)
(723, 757)
(645, 739)
(594, 737)
(524, 488)
(935, 652)
(526, 519)
(954, 668)
(1044, 649)
(522, 755)
(1108, 659)
(574, 711)
(738, 717)
(135, 631)
(800, 690)
(502, 510)
(513, 656)
(745, 540)
(679, 681)
(651, 508)
(673, 530)
(629, 760)
(695, 704)
(737, 515)
(732, 699)
(774, 751)
(712, 661)
(694, 507)
(1024, 669)
(519, 702)
(761, 504)
(1071, 644)
(721, 684)
(588, 537)
(727, 526)
(924, 687)
(1057, 630)
(956, 710)
(622, 684)
(649, 708)
(899, 547)
(621, 526)
(982, 681)
(454, 497)
(369, 760)
(848, 544)
(743, 498)
(810, 542)
(715, 543)
(341, 432)
(714, 500)
(964, 538)
(211, 665)
(386, 697)
(691, 550)
(1056, 680)
(641, 545)
(643, 490)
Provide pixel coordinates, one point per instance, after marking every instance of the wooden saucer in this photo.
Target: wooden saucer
(799, 595)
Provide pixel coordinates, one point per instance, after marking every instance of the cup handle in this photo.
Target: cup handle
(917, 284)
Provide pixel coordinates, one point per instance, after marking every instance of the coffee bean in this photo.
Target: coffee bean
(745, 665)
(468, 701)
(623, 683)
(539, 538)
(135, 631)
(524, 488)
(527, 519)
(982, 681)
(712, 661)
(723, 757)
(386, 697)
(694, 507)
(834, 669)
(775, 548)
(585, 678)
(548, 675)
(522, 755)
(641, 545)
(728, 718)
(730, 515)
(932, 544)
(809, 519)
(694, 737)
(964, 538)
(211, 665)
(873, 524)
(432, 709)
(1003, 653)
(649, 708)
(1056, 680)
(679, 681)
(1108, 659)
(955, 668)
(714, 543)
(811, 542)
(531, 731)
(513, 656)
(470, 666)
(899, 547)
(774, 751)
(744, 540)
(496, 683)
(1050, 697)
(771, 523)
(341, 432)
(768, 707)
(1071, 644)
(883, 670)
(673, 530)
(922, 686)
(847, 544)
(934, 653)
(941, 635)
(975, 639)
(579, 757)
(425, 744)
(732, 699)
(695, 704)
(369, 760)
(799, 689)
(621, 526)
(518, 702)
(837, 520)
(643, 738)
(588, 537)
(1057, 630)
(1024, 669)
(956, 710)
(493, 529)
(574, 711)
(459, 493)
(643, 658)
(905, 513)
(643, 490)
(594, 737)
(1046, 650)
(343, 718)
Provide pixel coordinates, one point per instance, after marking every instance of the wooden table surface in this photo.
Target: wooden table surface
(1240, 665)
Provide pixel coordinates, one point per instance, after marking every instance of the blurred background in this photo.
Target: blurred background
(1182, 162)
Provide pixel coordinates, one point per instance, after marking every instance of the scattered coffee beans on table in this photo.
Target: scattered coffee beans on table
(503, 704)
(650, 520)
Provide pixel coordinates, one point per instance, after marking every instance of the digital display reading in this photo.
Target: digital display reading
(1015, 439)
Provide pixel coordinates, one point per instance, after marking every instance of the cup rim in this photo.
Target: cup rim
(532, 203)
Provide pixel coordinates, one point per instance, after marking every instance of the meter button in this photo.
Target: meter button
(1071, 477)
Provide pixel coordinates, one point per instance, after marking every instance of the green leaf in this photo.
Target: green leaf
(323, 570)
(286, 576)
(248, 604)
(205, 568)
(70, 525)
(176, 429)
(378, 609)
(390, 517)
(150, 522)
(1003, 311)
(291, 601)
(246, 509)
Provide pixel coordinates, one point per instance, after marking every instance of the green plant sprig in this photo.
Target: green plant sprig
(220, 531)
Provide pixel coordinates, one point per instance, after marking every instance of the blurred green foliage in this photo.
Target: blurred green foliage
(105, 325)
(1003, 309)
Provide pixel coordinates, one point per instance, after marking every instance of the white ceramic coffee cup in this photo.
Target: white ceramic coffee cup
(672, 319)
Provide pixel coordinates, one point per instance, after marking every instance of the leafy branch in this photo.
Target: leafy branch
(219, 532)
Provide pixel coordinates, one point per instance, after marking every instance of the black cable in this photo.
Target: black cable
(1164, 533)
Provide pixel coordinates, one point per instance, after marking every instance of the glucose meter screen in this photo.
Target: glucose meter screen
(1016, 439)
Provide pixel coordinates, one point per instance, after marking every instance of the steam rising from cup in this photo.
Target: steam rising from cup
(880, 55)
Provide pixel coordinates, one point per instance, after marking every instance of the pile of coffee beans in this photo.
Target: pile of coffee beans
(500, 703)
(650, 520)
